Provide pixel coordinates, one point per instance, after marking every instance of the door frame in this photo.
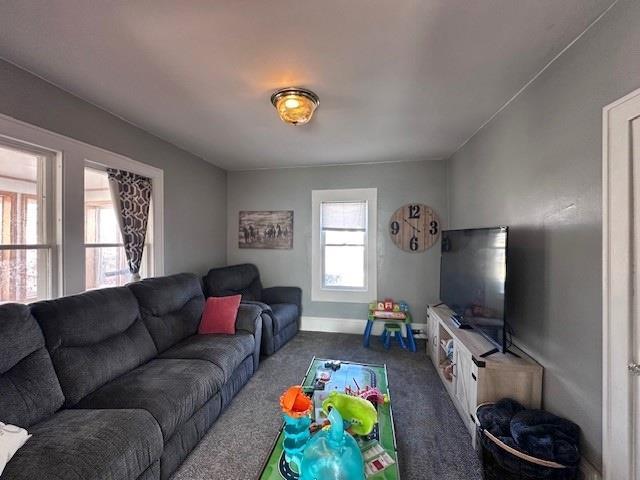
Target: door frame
(620, 220)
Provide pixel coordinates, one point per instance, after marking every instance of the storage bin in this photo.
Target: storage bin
(502, 462)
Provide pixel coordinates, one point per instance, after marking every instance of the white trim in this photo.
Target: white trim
(588, 471)
(347, 325)
(346, 164)
(619, 280)
(73, 155)
(320, 294)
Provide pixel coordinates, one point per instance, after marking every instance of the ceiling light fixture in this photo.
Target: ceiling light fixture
(295, 105)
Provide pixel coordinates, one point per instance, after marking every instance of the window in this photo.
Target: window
(105, 258)
(26, 224)
(343, 231)
(344, 245)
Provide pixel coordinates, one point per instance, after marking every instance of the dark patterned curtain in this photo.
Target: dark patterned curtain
(131, 196)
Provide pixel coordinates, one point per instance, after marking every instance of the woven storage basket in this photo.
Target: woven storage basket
(502, 462)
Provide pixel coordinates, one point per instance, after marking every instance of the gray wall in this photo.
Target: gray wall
(537, 167)
(195, 191)
(401, 275)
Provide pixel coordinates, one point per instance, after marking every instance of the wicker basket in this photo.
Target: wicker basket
(502, 462)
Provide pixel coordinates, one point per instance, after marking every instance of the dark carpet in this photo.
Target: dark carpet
(432, 441)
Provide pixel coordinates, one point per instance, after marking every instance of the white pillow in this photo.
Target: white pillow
(11, 439)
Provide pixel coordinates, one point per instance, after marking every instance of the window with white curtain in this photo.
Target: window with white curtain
(27, 223)
(344, 247)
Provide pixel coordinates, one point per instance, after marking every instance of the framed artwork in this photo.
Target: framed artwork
(266, 229)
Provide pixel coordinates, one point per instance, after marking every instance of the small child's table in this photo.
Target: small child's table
(402, 318)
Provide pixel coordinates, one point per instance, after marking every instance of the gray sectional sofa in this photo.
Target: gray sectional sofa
(115, 383)
(281, 306)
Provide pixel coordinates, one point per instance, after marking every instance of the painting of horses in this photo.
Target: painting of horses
(266, 229)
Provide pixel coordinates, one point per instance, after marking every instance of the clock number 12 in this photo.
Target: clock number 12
(414, 211)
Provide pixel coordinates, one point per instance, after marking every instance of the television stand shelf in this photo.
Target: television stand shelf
(479, 376)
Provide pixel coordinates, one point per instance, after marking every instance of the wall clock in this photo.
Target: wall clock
(414, 227)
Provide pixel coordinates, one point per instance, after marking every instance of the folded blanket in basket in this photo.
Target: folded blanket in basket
(496, 419)
(537, 433)
(546, 436)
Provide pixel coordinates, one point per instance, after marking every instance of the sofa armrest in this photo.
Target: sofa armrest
(249, 319)
(263, 306)
(283, 295)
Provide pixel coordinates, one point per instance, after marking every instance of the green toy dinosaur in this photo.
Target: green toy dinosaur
(358, 412)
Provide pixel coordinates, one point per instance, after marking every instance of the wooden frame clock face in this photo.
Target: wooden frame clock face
(414, 227)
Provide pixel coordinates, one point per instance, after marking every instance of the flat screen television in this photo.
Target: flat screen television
(473, 280)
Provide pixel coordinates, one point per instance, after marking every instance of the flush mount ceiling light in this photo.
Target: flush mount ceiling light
(295, 105)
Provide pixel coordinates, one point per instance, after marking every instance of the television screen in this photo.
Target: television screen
(473, 278)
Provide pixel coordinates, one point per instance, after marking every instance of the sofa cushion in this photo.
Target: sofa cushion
(170, 389)
(187, 436)
(29, 388)
(171, 307)
(93, 337)
(284, 314)
(88, 445)
(224, 351)
(236, 279)
(220, 315)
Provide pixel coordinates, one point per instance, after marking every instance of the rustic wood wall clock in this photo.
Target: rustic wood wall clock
(414, 227)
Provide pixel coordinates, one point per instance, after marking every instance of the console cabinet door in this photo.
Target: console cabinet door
(429, 331)
(466, 385)
(432, 346)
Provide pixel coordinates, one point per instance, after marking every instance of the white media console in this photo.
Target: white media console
(476, 379)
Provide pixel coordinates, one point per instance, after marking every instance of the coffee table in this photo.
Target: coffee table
(275, 466)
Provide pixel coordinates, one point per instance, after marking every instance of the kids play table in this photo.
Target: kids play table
(402, 318)
(347, 375)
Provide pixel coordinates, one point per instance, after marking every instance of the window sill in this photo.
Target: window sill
(342, 295)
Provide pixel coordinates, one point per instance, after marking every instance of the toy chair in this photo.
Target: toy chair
(391, 330)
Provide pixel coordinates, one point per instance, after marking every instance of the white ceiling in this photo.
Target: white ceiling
(397, 79)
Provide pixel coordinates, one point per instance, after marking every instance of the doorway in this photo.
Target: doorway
(621, 277)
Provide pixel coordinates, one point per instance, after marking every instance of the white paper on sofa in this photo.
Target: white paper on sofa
(11, 439)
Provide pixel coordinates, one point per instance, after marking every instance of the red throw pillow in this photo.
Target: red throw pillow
(219, 315)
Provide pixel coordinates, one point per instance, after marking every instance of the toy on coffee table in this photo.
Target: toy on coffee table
(296, 412)
(371, 394)
(390, 311)
(332, 454)
(358, 413)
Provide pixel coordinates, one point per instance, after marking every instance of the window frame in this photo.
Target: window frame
(48, 197)
(321, 292)
(71, 156)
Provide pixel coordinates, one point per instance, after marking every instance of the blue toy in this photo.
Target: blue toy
(296, 410)
(332, 454)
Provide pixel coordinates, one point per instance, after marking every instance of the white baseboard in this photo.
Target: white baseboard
(346, 325)
(588, 471)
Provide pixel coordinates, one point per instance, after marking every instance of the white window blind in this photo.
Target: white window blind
(344, 216)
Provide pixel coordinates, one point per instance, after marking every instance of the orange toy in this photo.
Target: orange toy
(295, 403)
